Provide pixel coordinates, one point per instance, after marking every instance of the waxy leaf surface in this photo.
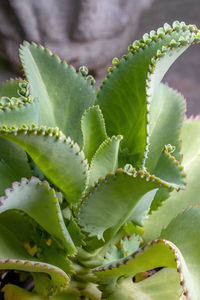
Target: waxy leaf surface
(63, 94)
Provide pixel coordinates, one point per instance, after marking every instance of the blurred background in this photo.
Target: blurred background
(92, 32)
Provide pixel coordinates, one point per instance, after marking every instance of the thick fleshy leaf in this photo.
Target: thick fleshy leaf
(9, 88)
(17, 115)
(179, 252)
(35, 240)
(190, 140)
(179, 249)
(130, 245)
(16, 105)
(93, 129)
(57, 156)
(163, 285)
(184, 232)
(38, 199)
(75, 232)
(117, 195)
(13, 164)
(166, 116)
(170, 170)
(178, 201)
(15, 292)
(13, 256)
(69, 294)
(105, 159)
(161, 195)
(118, 276)
(18, 223)
(112, 254)
(63, 94)
(128, 89)
(126, 247)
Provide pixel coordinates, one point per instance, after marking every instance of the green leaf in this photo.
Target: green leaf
(13, 164)
(35, 240)
(13, 256)
(161, 195)
(69, 294)
(166, 116)
(63, 94)
(184, 232)
(159, 253)
(130, 245)
(17, 115)
(112, 254)
(38, 199)
(169, 170)
(16, 104)
(19, 224)
(105, 159)
(178, 248)
(125, 247)
(93, 129)
(163, 285)
(75, 232)
(128, 89)
(190, 140)
(10, 87)
(116, 196)
(52, 254)
(57, 157)
(12, 291)
(178, 201)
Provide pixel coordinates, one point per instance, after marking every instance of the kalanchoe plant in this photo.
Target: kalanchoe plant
(92, 185)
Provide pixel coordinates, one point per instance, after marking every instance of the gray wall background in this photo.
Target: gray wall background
(92, 32)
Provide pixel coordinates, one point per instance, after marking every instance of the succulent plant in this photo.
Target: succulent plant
(93, 198)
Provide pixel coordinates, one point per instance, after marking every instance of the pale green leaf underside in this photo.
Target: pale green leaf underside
(178, 201)
(178, 248)
(105, 159)
(14, 256)
(159, 253)
(63, 94)
(163, 285)
(184, 232)
(124, 91)
(190, 140)
(93, 129)
(57, 157)
(37, 199)
(166, 116)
